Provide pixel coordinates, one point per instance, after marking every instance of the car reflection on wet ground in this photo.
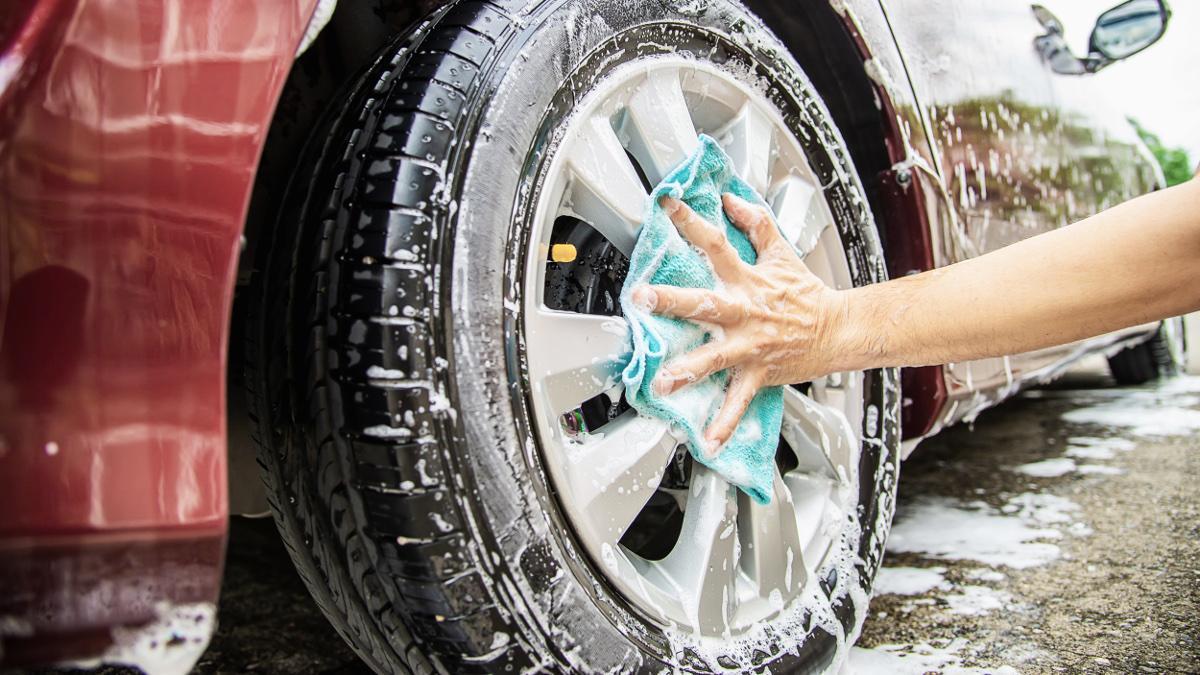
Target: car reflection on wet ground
(1059, 534)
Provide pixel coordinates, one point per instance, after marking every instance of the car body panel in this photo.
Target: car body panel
(988, 100)
(131, 137)
(1019, 151)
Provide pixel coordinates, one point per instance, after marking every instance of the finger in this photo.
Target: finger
(742, 389)
(696, 304)
(707, 237)
(756, 221)
(698, 364)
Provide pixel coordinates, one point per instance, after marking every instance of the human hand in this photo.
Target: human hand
(776, 316)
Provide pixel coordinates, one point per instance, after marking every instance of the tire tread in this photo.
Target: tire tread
(371, 517)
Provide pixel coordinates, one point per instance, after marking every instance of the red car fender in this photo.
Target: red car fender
(129, 139)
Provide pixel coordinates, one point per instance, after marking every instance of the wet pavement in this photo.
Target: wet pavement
(1060, 533)
(267, 622)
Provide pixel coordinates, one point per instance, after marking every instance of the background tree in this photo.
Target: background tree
(1176, 166)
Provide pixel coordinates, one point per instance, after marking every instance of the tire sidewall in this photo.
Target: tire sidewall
(542, 575)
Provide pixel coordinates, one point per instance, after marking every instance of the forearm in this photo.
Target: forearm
(1134, 263)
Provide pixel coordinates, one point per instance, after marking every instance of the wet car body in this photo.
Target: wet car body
(140, 144)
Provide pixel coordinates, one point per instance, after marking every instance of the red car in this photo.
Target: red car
(376, 247)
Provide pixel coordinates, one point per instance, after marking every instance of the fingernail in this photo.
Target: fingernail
(712, 448)
(662, 382)
(645, 297)
(668, 203)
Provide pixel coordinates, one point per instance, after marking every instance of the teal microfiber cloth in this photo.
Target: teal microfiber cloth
(662, 257)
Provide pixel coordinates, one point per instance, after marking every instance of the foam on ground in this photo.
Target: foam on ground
(914, 659)
(945, 529)
(909, 580)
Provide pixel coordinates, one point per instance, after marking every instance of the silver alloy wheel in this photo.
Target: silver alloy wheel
(734, 563)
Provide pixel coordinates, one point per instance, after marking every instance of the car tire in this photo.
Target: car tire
(385, 356)
(1163, 355)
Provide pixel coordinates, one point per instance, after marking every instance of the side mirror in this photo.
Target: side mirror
(1050, 22)
(1128, 28)
(1053, 46)
(1120, 33)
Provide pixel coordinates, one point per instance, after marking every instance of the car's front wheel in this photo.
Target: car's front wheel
(436, 351)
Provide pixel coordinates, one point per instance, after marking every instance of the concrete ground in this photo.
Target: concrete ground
(267, 623)
(1059, 533)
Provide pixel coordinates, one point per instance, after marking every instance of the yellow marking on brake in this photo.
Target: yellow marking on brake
(562, 253)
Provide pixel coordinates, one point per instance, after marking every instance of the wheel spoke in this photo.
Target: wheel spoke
(829, 390)
(828, 262)
(799, 215)
(842, 391)
(821, 436)
(702, 566)
(772, 546)
(750, 142)
(664, 133)
(614, 473)
(607, 192)
(574, 357)
(812, 497)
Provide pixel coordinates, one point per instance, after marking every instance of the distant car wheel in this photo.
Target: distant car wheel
(1163, 355)
(434, 358)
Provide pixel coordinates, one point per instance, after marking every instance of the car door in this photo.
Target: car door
(996, 133)
(1104, 162)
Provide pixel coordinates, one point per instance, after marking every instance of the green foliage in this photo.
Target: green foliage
(1176, 166)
